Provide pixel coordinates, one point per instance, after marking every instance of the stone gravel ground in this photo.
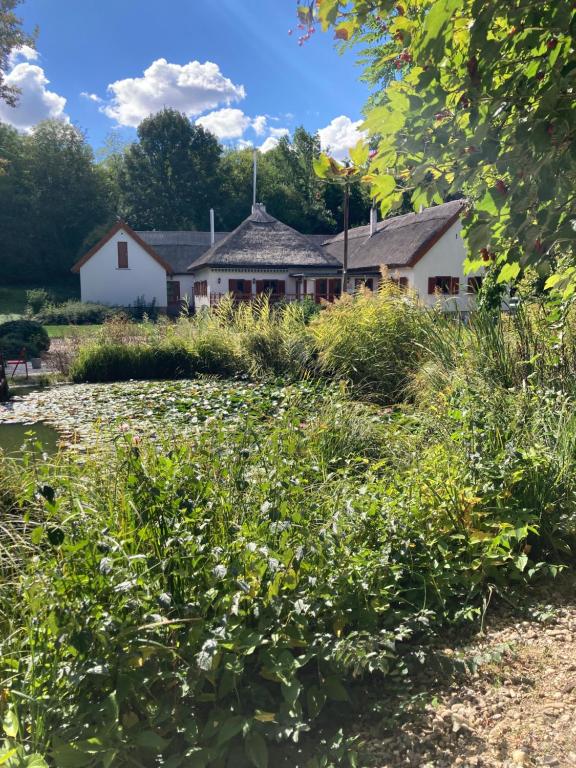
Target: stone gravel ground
(515, 708)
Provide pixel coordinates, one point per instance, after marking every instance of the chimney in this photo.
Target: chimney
(212, 233)
(258, 207)
(373, 220)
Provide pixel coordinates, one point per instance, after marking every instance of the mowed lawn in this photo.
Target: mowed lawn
(67, 331)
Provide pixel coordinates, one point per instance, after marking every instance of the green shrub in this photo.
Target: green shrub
(371, 340)
(216, 353)
(37, 299)
(120, 362)
(75, 313)
(18, 334)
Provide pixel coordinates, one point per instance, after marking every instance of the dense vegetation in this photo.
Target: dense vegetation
(19, 335)
(483, 106)
(56, 200)
(178, 602)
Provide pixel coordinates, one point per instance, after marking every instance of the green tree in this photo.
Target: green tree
(169, 178)
(11, 37)
(51, 197)
(484, 106)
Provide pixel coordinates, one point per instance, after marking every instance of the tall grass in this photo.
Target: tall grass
(372, 340)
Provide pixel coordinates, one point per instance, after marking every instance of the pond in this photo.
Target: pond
(84, 415)
(14, 436)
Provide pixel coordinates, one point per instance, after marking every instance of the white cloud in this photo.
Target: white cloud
(273, 139)
(226, 123)
(277, 133)
(35, 101)
(340, 136)
(191, 88)
(91, 97)
(22, 52)
(270, 143)
(259, 124)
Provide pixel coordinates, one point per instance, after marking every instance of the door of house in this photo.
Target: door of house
(173, 296)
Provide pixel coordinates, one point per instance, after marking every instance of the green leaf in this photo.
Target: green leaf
(334, 689)
(256, 749)
(359, 154)
(315, 699)
(151, 740)
(6, 755)
(230, 728)
(509, 272)
(10, 724)
(34, 761)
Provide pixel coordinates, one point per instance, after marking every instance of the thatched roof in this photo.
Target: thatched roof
(264, 242)
(179, 249)
(398, 242)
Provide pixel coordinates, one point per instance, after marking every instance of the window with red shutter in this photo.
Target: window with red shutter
(442, 284)
(474, 284)
(259, 286)
(122, 254)
(281, 287)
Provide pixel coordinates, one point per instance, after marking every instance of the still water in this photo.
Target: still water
(13, 437)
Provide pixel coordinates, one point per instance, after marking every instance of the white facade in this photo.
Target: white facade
(104, 282)
(444, 259)
(217, 280)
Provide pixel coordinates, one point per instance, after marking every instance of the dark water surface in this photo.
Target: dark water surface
(13, 437)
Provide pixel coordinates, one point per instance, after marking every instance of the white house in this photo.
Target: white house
(263, 256)
(423, 251)
(127, 265)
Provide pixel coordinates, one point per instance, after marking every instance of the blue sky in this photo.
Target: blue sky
(231, 64)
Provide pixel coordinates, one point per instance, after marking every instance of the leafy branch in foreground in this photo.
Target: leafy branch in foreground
(484, 106)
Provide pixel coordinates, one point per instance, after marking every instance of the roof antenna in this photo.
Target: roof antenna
(255, 181)
(212, 233)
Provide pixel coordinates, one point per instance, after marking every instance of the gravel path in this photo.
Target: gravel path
(516, 710)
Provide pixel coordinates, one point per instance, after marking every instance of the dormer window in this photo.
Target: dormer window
(122, 254)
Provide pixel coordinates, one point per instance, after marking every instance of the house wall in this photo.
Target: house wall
(446, 257)
(215, 289)
(186, 287)
(101, 281)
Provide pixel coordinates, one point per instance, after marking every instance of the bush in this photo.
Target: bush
(18, 334)
(37, 299)
(120, 362)
(75, 313)
(371, 340)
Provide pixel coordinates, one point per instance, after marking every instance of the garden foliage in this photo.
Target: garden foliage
(206, 599)
(16, 335)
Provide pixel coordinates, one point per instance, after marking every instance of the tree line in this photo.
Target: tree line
(57, 199)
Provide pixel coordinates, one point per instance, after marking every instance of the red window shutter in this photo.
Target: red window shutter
(431, 285)
(280, 287)
(259, 286)
(454, 285)
(122, 254)
(247, 288)
(232, 285)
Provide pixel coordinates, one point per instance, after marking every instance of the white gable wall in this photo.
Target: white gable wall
(101, 281)
(446, 257)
